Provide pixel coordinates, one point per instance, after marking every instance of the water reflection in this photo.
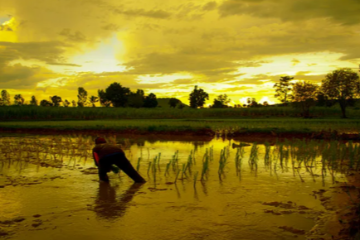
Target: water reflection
(108, 205)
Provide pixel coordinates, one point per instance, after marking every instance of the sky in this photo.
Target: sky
(236, 47)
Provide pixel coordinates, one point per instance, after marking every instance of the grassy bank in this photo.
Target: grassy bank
(32, 113)
(216, 125)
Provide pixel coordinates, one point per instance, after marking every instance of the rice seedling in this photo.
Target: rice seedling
(195, 178)
(253, 158)
(138, 164)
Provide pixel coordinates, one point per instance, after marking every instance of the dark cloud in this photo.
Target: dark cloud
(344, 11)
(77, 36)
(160, 14)
(48, 52)
(209, 6)
(18, 76)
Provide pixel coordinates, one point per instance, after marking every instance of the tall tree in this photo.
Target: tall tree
(198, 97)
(137, 99)
(94, 100)
(117, 94)
(221, 101)
(56, 100)
(104, 102)
(150, 101)
(46, 103)
(33, 101)
(82, 97)
(283, 89)
(66, 103)
(19, 100)
(304, 96)
(5, 98)
(173, 102)
(341, 85)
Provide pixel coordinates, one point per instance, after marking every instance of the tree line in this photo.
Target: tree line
(341, 85)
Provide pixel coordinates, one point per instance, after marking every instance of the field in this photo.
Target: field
(261, 173)
(204, 189)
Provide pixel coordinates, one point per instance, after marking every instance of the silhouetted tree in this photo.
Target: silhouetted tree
(104, 102)
(93, 100)
(5, 98)
(33, 101)
(150, 101)
(66, 103)
(181, 105)
(19, 100)
(46, 103)
(117, 94)
(304, 96)
(221, 101)
(341, 85)
(82, 97)
(56, 100)
(265, 103)
(283, 89)
(173, 102)
(323, 100)
(198, 97)
(137, 99)
(73, 103)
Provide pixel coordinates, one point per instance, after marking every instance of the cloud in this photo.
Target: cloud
(295, 62)
(159, 14)
(18, 76)
(345, 11)
(48, 52)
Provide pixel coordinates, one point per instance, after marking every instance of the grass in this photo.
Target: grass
(223, 127)
(33, 113)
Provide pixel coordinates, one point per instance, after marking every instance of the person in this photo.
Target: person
(105, 155)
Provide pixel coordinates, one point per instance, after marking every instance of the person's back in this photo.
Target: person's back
(105, 155)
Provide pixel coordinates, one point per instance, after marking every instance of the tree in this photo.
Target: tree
(5, 98)
(117, 94)
(173, 102)
(93, 100)
(56, 100)
(198, 97)
(265, 104)
(323, 100)
(73, 103)
(33, 101)
(304, 95)
(221, 101)
(341, 85)
(46, 103)
(137, 99)
(283, 89)
(19, 100)
(66, 103)
(150, 101)
(104, 102)
(82, 97)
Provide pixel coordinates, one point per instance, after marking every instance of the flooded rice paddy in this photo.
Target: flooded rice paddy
(216, 189)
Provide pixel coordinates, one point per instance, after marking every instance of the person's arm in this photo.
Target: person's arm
(96, 158)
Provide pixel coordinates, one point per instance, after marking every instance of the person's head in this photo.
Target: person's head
(100, 140)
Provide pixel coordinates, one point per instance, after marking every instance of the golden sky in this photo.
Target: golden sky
(237, 47)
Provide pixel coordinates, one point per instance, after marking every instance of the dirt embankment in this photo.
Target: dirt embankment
(342, 220)
(205, 134)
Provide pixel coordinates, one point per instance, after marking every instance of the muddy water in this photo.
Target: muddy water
(69, 203)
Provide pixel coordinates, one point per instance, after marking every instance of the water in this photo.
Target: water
(245, 204)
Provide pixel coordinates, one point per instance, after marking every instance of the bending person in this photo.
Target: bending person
(105, 155)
